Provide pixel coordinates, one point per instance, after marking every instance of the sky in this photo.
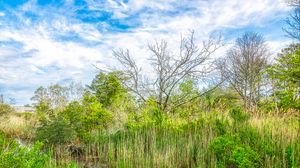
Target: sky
(45, 42)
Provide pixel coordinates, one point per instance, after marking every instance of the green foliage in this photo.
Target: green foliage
(223, 147)
(241, 145)
(220, 126)
(288, 155)
(14, 156)
(227, 97)
(73, 114)
(188, 88)
(44, 110)
(238, 115)
(107, 88)
(5, 109)
(231, 152)
(95, 115)
(78, 119)
(154, 112)
(287, 98)
(245, 157)
(286, 76)
(53, 127)
(150, 115)
(199, 133)
(287, 67)
(219, 99)
(58, 130)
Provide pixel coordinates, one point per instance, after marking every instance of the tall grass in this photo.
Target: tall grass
(18, 125)
(211, 140)
(188, 145)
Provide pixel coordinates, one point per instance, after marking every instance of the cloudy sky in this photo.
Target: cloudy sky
(44, 42)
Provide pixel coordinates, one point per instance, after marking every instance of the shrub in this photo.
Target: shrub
(13, 155)
(231, 152)
(238, 115)
(95, 115)
(220, 125)
(223, 146)
(56, 131)
(44, 110)
(245, 157)
(74, 113)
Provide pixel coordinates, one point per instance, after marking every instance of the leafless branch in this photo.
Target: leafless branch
(170, 69)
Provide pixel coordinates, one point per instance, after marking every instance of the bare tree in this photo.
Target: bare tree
(243, 67)
(293, 21)
(170, 69)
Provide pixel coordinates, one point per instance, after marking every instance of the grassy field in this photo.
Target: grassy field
(212, 140)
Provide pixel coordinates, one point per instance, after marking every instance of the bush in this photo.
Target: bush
(74, 113)
(56, 131)
(77, 120)
(220, 125)
(238, 115)
(13, 155)
(95, 116)
(245, 157)
(222, 147)
(231, 152)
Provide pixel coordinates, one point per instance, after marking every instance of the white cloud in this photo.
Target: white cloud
(276, 46)
(73, 58)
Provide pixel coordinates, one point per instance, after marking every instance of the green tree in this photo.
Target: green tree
(107, 88)
(95, 115)
(285, 74)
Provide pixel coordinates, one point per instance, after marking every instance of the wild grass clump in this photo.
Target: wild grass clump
(5, 109)
(246, 146)
(205, 142)
(19, 126)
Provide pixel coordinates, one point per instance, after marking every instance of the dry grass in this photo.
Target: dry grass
(283, 125)
(17, 125)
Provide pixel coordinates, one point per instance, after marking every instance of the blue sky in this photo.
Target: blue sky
(44, 42)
